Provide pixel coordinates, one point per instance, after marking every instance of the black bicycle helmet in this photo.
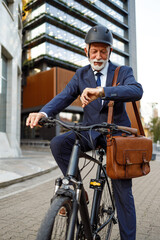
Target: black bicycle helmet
(99, 34)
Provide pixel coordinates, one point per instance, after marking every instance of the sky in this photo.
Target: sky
(148, 54)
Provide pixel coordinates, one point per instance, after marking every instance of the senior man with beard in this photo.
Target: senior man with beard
(92, 83)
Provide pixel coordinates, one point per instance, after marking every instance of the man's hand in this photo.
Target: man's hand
(90, 94)
(33, 119)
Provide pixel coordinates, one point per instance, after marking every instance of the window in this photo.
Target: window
(117, 59)
(119, 3)
(57, 52)
(3, 95)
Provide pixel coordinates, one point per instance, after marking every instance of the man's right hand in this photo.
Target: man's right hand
(33, 119)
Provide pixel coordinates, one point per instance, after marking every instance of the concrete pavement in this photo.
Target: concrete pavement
(32, 163)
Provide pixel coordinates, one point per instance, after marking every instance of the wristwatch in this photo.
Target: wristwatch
(101, 92)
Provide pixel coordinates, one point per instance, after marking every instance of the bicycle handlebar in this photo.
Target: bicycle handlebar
(104, 127)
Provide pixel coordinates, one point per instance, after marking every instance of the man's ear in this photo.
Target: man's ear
(86, 51)
(111, 49)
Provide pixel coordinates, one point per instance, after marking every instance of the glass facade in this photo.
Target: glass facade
(99, 4)
(58, 53)
(35, 13)
(63, 35)
(62, 16)
(35, 32)
(66, 55)
(56, 33)
(97, 17)
(118, 2)
(55, 30)
(3, 95)
(68, 37)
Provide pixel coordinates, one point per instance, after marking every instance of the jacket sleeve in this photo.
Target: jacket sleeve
(127, 89)
(63, 99)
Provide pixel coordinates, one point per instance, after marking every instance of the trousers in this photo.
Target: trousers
(61, 147)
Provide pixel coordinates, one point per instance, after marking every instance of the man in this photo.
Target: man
(84, 83)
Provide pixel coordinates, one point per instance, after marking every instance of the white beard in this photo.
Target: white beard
(97, 67)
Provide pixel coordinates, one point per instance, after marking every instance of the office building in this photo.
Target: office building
(10, 77)
(53, 44)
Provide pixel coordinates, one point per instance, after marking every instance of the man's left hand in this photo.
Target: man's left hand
(89, 95)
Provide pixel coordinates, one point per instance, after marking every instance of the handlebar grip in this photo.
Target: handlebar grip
(129, 129)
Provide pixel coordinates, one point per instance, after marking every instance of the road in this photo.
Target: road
(23, 206)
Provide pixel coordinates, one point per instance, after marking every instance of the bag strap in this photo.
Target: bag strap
(140, 126)
(111, 104)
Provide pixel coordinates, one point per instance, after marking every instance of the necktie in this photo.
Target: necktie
(98, 79)
(98, 74)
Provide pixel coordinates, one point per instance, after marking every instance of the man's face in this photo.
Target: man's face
(98, 55)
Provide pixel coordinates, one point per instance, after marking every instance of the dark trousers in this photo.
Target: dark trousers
(61, 147)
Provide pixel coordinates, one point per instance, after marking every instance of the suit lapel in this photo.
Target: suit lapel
(91, 79)
(110, 74)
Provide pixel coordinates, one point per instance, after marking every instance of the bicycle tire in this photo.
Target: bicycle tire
(55, 226)
(105, 211)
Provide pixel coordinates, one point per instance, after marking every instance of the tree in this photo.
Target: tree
(155, 128)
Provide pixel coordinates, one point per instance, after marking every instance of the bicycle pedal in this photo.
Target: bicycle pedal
(96, 184)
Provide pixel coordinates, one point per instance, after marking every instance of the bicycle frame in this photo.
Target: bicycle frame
(79, 201)
(90, 227)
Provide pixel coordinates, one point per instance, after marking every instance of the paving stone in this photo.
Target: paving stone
(21, 214)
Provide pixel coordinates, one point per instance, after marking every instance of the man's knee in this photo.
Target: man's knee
(62, 143)
(55, 144)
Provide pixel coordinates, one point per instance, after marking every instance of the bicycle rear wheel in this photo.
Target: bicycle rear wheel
(106, 211)
(55, 226)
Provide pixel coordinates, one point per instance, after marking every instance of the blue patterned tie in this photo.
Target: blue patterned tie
(98, 74)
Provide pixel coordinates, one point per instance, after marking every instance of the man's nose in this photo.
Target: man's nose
(98, 56)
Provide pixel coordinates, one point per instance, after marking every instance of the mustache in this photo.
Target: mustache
(98, 61)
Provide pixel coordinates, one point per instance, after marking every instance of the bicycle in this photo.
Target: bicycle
(70, 194)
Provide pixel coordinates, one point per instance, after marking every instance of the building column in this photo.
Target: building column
(132, 36)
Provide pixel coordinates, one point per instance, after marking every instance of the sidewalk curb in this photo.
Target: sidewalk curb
(21, 179)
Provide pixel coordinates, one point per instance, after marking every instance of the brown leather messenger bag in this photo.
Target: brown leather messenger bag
(128, 156)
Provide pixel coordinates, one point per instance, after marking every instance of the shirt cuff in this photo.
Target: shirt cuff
(45, 114)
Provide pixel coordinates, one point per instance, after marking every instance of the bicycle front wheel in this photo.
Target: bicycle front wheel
(106, 212)
(55, 225)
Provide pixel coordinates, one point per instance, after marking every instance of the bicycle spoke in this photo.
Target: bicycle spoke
(105, 213)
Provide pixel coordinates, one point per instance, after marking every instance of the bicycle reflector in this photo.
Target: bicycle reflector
(97, 184)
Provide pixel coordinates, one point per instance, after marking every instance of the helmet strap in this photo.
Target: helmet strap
(89, 50)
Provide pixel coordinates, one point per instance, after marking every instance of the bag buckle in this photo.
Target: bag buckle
(128, 161)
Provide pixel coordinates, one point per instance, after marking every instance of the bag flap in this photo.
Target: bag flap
(132, 150)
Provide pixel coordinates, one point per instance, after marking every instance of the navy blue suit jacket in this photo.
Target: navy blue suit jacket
(128, 90)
